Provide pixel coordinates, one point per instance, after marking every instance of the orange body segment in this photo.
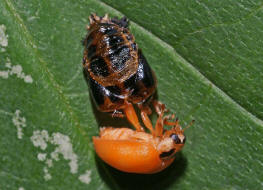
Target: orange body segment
(130, 156)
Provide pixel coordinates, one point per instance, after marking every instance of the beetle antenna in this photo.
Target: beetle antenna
(176, 121)
(189, 125)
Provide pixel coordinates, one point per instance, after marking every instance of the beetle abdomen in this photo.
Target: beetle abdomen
(110, 55)
(113, 66)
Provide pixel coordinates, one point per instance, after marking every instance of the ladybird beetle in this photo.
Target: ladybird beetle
(119, 77)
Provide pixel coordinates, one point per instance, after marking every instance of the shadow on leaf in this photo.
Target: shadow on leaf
(161, 180)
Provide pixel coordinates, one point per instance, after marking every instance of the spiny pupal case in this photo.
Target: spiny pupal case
(114, 68)
(120, 77)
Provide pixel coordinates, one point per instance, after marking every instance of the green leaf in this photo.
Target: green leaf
(207, 56)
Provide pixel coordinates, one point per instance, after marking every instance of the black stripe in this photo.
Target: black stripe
(91, 51)
(99, 67)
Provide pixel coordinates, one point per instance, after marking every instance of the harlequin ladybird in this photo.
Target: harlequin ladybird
(120, 77)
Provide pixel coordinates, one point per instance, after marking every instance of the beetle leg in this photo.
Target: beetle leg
(145, 111)
(145, 108)
(159, 125)
(160, 110)
(163, 120)
(159, 107)
(132, 117)
(170, 123)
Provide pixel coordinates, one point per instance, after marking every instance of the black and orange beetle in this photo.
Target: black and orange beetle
(120, 77)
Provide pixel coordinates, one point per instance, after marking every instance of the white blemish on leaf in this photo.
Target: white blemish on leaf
(3, 37)
(28, 79)
(16, 70)
(4, 74)
(11, 70)
(41, 156)
(49, 163)
(20, 123)
(40, 138)
(8, 64)
(54, 156)
(85, 178)
(21, 188)
(47, 175)
(63, 147)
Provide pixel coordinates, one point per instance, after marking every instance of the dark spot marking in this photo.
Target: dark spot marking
(91, 51)
(99, 67)
(114, 89)
(111, 31)
(88, 40)
(167, 154)
(131, 82)
(119, 57)
(115, 40)
(136, 91)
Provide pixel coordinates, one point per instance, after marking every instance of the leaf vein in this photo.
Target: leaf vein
(200, 30)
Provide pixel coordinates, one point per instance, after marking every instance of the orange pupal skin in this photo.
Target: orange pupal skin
(130, 155)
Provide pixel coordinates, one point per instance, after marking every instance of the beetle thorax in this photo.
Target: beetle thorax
(165, 145)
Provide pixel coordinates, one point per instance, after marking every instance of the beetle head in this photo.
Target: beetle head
(173, 141)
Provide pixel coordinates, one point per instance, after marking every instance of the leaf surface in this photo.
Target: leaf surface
(207, 57)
